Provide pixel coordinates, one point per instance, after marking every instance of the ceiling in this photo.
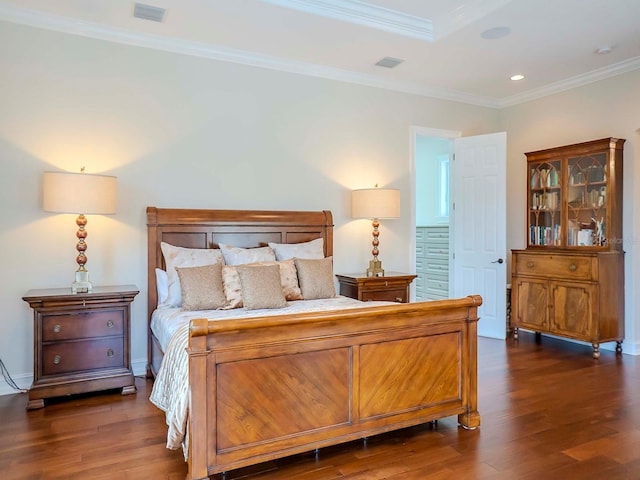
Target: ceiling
(552, 42)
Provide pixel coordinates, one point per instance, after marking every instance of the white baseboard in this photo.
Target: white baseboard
(24, 380)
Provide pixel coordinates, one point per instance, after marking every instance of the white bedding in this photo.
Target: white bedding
(170, 390)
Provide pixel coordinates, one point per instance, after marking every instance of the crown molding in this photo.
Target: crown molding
(603, 73)
(362, 13)
(183, 47)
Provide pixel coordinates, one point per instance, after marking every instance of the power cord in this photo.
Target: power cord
(9, 380)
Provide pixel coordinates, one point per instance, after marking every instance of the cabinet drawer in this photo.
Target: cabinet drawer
(438, 251)
(420, 249)
(82, 325)
(437, 234)
(437, 285)
(420, 235)
(65, 357)
(397, 295)
(437, 268)
(569, 267)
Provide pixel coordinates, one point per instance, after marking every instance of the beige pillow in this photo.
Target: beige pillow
(184, 257)
(240, 256)
(316, 278)
(201, 287)
(311, 249)
(261, 286)
(233, 288)
(288, 279)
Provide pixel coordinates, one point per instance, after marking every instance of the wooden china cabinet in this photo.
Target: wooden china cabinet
(569, 281)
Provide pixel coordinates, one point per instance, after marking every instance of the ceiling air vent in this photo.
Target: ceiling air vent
(148, 12)
(389, 62)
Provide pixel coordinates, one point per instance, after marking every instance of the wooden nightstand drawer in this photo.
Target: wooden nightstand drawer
(82, 325)
(398, 295)
(66, 357)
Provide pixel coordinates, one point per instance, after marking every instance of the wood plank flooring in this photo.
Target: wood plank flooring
(549, 410)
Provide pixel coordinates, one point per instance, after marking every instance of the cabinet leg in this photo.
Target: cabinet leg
(515, 333)
(129, 390)
(618, 347)
(538, 337)
(596, 350)
(35, 404)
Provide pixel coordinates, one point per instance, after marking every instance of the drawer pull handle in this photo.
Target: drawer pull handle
(110, 352)
(57, 328)
(573, 267)
(56, 359)
(530, 264)
(110, 323)
(399, 299)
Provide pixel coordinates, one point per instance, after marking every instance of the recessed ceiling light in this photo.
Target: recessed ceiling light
(517, 77)
(495, 32)
(603, 50)
(389, 62)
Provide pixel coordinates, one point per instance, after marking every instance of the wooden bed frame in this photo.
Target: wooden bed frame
(268, 387)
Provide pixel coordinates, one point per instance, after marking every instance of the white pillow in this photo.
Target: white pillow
(184, 257)
(313, 249)
(240, 256)
(162, 287)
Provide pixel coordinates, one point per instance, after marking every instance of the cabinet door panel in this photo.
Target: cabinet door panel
(531, 304)
(573, 310)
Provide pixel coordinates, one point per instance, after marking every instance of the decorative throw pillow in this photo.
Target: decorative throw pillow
(316, 278)
(240, 256)
(311, 249)
(232, 287)
(184, 257)
(261, 286)
(201, 287)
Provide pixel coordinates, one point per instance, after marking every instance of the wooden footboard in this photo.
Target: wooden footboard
(269, 387)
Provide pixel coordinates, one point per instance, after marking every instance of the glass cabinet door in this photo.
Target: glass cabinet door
(545, 197)
(587, 201)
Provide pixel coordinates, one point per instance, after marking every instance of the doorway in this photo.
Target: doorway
(464, 252)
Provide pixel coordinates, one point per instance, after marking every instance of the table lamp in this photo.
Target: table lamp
(79, 193)
(375, 203)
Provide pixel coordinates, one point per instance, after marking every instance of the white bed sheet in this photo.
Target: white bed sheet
(165, 321)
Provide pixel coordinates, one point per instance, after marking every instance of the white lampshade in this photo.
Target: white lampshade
(79, 193)
(375, 203)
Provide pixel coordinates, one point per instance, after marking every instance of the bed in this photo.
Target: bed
(269, 386)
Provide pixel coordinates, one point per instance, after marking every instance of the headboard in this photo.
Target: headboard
(200, 228)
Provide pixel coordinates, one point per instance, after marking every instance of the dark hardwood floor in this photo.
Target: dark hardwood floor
(549, 411)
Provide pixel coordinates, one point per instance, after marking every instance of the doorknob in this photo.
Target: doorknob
(498, 261)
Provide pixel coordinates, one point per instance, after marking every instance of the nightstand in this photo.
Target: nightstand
(80, 341)
(393, 287)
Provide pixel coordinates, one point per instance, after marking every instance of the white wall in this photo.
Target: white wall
(609, 108)
(182, 131)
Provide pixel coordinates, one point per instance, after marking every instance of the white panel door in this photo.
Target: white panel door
(479, 227)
